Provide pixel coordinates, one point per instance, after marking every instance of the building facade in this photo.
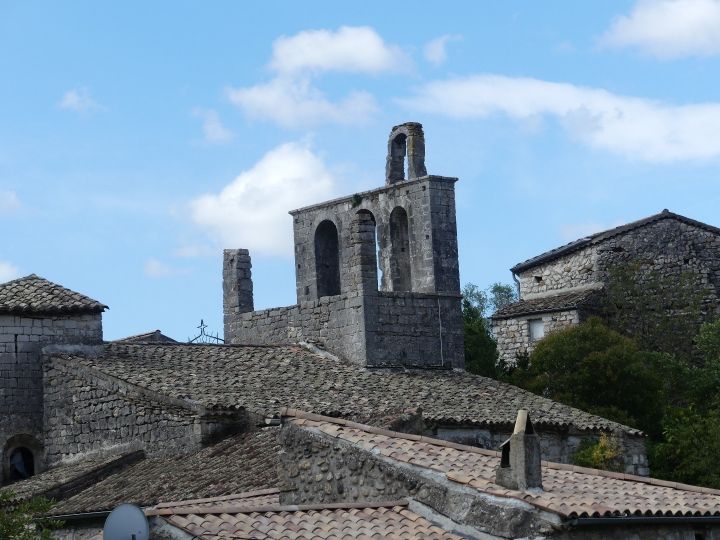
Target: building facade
(653, 278)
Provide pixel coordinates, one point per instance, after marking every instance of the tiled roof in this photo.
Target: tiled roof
(239, 463)
(253, 517)
(568, 490)
(596, 238)
(548, 304)
(156, 336)
(34, 295)
(265, 379)
(66, 480)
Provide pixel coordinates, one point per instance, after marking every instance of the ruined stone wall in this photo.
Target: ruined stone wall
(384, 329)
(88, 414)
(21, 398)
(557, 446)
(429, 203)
(575, 270)
(336, 323)
(513, 335)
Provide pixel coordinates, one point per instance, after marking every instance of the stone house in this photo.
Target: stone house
(34, 313)
(662, 271)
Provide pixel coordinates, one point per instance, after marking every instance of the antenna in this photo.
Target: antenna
(126, 522)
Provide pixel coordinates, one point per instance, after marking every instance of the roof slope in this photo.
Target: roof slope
(35, 295)
(568, 490)
(239, 463)
(155, 336)
(265, 379)
(547, 304)
(596, 238)
(66, 480)
(253, 517)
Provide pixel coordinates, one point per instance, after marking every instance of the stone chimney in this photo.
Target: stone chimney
(237, 284)
(520, 462)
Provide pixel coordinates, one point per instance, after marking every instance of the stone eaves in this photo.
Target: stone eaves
(548, 304)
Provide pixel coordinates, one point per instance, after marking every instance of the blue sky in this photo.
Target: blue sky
(139, 139)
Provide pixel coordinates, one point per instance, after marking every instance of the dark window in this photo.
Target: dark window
(327, 259)
(398, 150)
(365, 240)
(400, 270)
(22, 464)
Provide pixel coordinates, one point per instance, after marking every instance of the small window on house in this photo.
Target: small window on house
(538, 279)
(537, 329)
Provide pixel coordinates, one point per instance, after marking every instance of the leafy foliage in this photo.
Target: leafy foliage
(481, 353)
(660, 318)
(605, 454)
(23, 521)
(571, 365)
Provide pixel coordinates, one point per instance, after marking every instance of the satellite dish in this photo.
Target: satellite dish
(126, 522)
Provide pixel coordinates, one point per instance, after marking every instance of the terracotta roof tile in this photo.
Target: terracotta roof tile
(33, 294)
(391, 520)
(265, 379)
(569, 491)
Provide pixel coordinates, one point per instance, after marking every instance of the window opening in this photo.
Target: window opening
(22, 464)
(401, 271)
(366, 238)
(537, 329)
(327, 259)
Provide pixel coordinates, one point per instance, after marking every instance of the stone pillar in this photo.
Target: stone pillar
(237, 286)
(406, 140)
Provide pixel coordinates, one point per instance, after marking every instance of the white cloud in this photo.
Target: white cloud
(634, 127)
(669, 28)
(356, 49)
(213, 129)
(252, 211)
(295, 102)
(9, 201)
(8, 271)
(78, 100)
(434, 50)
(292, 99)
(158, 269)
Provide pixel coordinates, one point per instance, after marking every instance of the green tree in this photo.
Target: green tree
(690, 447)
(24, 521)
(596, 369)
(481, 354)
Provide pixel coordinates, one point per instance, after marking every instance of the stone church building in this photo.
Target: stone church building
(346, 413)
(663, 268)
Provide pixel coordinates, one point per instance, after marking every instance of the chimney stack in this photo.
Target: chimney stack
(520, 461)
(237, 285)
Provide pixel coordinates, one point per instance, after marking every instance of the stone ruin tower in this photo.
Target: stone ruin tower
(34, 313)
(376, 272)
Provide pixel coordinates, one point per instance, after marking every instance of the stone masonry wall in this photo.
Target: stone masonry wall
(333, 322)
(576, 270)
(513, 335)
(87, 414)
(387, 329)
(316, 468)
(21, 398)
